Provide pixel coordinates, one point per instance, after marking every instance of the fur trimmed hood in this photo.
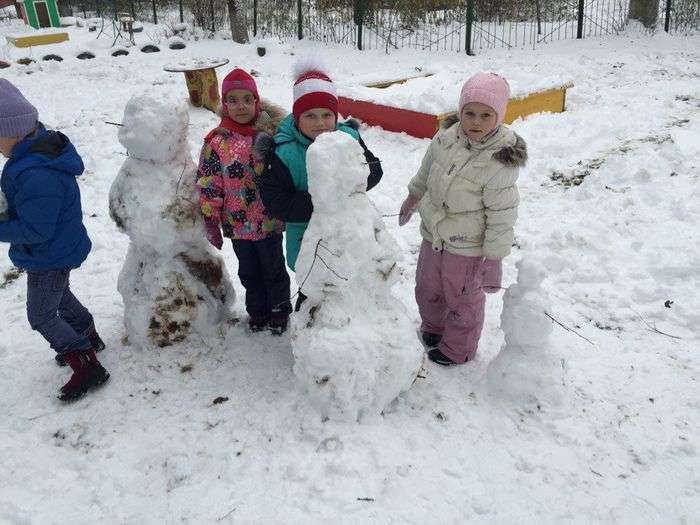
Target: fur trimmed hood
(270, 117)
(515, 155)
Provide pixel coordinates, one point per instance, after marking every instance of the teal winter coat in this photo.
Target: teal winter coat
(284, 186)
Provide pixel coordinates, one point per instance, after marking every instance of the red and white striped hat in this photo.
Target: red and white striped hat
(313, 88)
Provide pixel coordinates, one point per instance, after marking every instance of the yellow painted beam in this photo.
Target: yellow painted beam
(549, 101)
(37, 40)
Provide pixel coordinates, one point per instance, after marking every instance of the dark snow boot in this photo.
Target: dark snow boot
(258, 323)
(278, 324)
(87, 373)
(430, 340)
(436, 356)
(95, 341)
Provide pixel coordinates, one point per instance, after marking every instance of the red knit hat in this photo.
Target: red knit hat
(313, 89)
(239, 79)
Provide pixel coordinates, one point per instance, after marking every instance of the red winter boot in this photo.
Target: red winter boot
(96, 342)
(87, 373)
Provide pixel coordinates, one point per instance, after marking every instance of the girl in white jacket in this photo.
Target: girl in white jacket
(466, 194)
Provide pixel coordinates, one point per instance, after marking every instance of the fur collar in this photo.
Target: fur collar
(512, 156)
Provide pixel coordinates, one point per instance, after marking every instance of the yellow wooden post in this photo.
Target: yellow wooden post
(201, 80)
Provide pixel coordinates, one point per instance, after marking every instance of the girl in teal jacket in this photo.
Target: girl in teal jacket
(284, 186)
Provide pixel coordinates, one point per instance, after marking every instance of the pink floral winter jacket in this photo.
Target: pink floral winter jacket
(227, 178)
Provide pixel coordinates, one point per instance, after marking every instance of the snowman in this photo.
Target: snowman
(172, 283)
(353, 341)
(526, 372)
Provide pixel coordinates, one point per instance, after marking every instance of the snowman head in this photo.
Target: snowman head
(154, 129)
(336, 168)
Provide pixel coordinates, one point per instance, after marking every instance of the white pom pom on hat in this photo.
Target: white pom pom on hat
(313, 88)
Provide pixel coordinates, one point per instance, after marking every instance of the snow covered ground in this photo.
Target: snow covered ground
(222, 433)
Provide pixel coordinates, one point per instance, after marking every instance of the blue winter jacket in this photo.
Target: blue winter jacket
(45, 220)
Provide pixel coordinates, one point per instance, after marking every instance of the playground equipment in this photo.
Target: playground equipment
(200, 76)
(425, 125)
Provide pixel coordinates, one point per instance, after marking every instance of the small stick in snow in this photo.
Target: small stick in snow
(331, 269)
(596, 473)
(568, 329)
(365, 499)
(652, 328)
(227, 514)
(113, 123)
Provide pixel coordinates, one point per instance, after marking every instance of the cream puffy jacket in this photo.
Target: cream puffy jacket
(467, 191)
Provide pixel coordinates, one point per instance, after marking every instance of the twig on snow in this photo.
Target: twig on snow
(227, 514)
(652, 328)
(569, 329)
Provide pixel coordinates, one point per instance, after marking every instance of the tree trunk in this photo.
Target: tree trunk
(236, 17)
(646, 11)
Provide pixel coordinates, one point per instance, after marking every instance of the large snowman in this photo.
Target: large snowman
(173, 283)
(353, 341)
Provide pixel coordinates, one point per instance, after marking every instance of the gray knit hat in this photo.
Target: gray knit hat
(18, 117)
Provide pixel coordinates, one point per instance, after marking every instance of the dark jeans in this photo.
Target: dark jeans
(262, 271)
(54, 312)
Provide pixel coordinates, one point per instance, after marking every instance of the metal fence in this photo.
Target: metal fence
(453, 25)
(449, 25)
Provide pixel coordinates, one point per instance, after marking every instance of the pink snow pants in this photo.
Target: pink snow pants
(450, 300)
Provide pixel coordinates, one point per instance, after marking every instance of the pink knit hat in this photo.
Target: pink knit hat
(488, 88)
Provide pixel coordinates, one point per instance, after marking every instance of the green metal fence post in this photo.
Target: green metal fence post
(667, 22)
(300, 27)
(579, 28)
(359, 16)
(211, 12)
(470, 22)
(255, 17)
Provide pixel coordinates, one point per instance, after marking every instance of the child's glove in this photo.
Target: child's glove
(214, 233)
(491, 275)
(407, 208)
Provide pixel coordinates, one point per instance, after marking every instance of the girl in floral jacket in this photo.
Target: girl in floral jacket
(466, 194)
(228, 178)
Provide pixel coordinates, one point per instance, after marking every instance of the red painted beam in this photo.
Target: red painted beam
(414, 123)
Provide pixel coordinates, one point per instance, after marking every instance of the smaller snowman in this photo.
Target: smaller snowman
(173, 283)
(526, 372)
(353, 340)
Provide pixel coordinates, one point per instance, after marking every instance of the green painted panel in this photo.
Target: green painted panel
(31, 14)
(53, 13)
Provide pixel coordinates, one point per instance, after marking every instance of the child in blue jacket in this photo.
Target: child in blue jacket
(47, 238)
